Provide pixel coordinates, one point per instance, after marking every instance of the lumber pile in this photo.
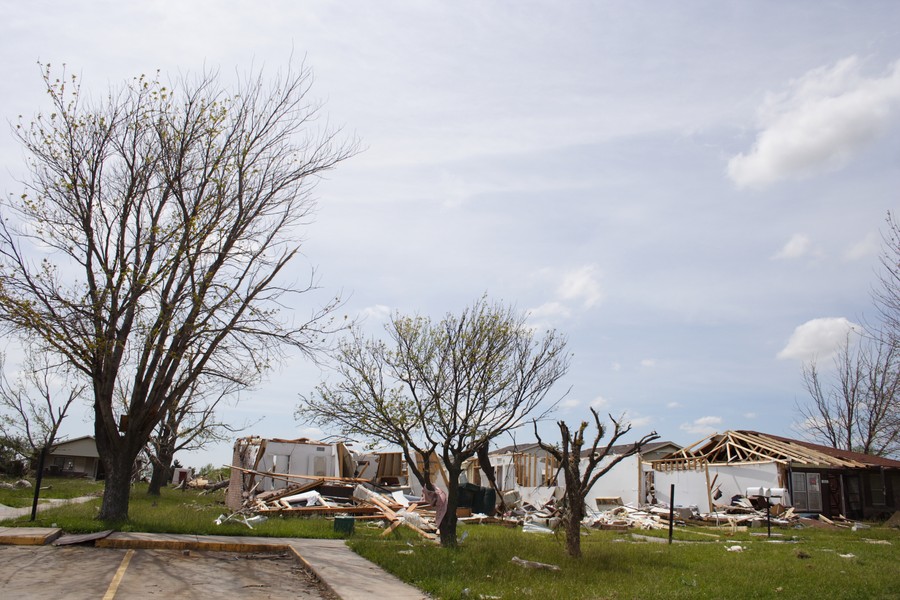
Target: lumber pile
(334, 496)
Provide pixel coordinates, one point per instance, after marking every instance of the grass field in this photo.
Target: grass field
(615, 565)
(51, 487)
(797, 564)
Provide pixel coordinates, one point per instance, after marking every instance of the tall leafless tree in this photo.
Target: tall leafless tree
(887, 293)
(447, 388)
(855, 405)
(150, 245)
(580, 468)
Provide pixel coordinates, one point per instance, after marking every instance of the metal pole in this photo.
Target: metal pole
(671, 511)
(769, 517)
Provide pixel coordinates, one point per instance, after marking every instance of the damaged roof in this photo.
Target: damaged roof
(741, 447)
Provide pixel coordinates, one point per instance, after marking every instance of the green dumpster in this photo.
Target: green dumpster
(344, 524)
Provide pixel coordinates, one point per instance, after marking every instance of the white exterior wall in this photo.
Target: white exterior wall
(621, 481)
(732, 480)
(298, 459)
(82, 447)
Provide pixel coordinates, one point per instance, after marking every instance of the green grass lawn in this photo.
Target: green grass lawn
(800, 564)
(173, 511)
(614, 565)
(51, 487)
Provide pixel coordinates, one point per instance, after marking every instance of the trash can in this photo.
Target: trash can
(466, 496)
(344, 524)
(489, 504)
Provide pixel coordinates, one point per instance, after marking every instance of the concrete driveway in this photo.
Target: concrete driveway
(75, 572)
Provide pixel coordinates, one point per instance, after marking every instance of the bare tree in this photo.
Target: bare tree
(447, 388)
(150, 244)
(32, 410)
(855, 406)
(579, 482)
(887, 294)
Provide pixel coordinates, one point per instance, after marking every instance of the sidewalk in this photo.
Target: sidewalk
(8, 512)
(349, 576)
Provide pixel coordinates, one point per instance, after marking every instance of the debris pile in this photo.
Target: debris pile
(305, 495)
(626, 517)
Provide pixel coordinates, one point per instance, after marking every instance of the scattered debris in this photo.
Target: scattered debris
(848, 555)
(82, 538)
(801, 554)
(734, 548)
(530, 564)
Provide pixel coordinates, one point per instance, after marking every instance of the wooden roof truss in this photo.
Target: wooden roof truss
(747, 447)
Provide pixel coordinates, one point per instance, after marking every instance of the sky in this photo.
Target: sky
(693, 193)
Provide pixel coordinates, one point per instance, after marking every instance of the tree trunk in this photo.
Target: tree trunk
(572, 517)
(448, 525)
(42, 458)
(162, 471)
(118, 454)
(118, 489)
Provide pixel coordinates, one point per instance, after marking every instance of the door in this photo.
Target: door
(833, 504)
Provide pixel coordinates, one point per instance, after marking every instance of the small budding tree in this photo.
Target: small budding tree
(580, 468)
(445, 388)
(33, 408)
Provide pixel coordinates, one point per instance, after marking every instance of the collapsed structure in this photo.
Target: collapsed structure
(712, 480)
(820, 479)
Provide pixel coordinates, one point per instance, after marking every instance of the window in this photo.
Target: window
(807, 491)
(876, 488)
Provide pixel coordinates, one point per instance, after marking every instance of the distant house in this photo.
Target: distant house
(522, 465)
(77, 457)
(819, 479)
(532, 471)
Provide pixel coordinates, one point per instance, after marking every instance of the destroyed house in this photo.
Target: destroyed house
(819, 479)
(518, 466)
(262, 465)
(527, 467)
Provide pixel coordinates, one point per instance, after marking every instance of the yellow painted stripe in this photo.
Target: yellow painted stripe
(117, 578)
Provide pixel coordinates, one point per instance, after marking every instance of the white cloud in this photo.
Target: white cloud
(640, 421)
(825, 118)
(599, 402)
(673, 405)
(798, 246)
(549, 310)
(569, 403)
(616, 366)
(577, 286)
(702, 426)
(817, 338)
(868, 246)
(581, 285)
(750, 415)
(648, 362)
(379, 312)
